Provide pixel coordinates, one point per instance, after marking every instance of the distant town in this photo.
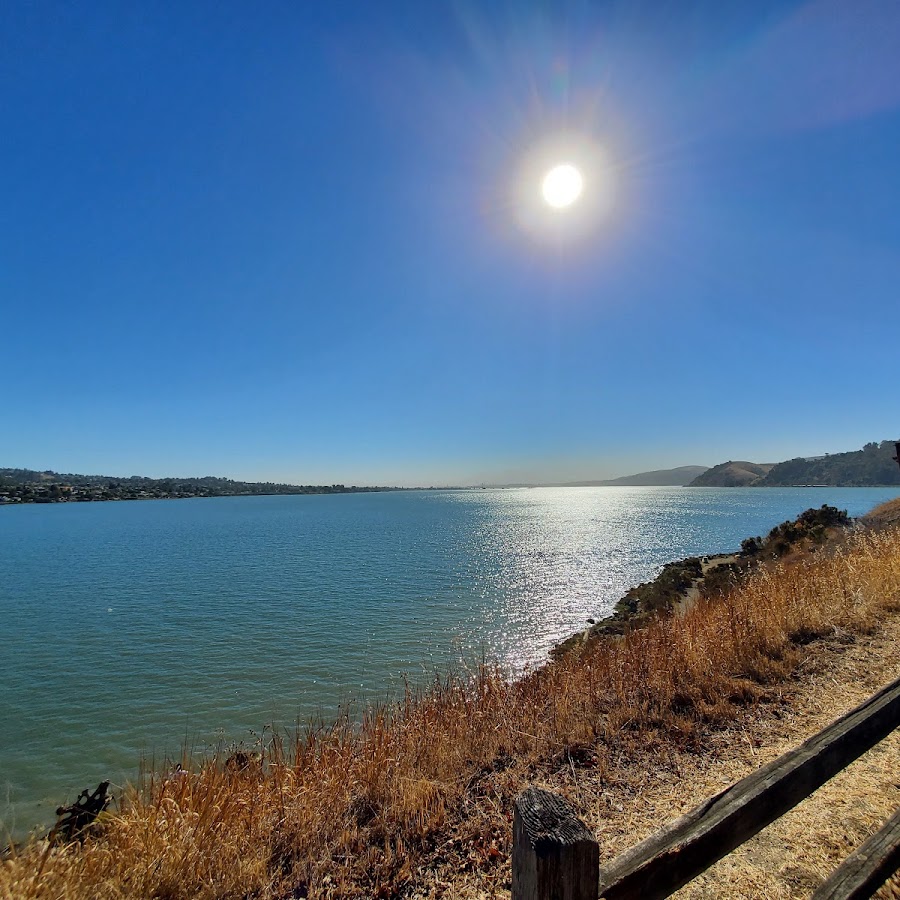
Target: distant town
(31, 486)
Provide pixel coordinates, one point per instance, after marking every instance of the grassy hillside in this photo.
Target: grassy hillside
(872, 466)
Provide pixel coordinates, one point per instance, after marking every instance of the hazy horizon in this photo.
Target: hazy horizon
(312, 244)
(582, 471)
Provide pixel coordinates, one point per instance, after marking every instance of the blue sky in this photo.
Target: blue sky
(286, 241)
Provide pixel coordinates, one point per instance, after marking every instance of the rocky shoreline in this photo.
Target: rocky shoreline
(680, 583)
(677, 585)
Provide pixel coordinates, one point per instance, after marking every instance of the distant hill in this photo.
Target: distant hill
(872, 466)
(733, 474)
(658, 478)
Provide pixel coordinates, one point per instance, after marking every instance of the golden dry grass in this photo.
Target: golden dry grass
(421, 793)
(884, 515)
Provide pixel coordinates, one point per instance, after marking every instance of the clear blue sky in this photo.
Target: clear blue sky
(282, 240)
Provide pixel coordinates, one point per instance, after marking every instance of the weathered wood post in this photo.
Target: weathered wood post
(554, 855)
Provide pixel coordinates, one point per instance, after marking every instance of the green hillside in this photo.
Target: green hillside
(872, 466)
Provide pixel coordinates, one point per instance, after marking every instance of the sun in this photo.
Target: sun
(562, 186)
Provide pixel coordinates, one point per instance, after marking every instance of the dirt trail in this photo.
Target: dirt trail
(708, 564)
(792, 856)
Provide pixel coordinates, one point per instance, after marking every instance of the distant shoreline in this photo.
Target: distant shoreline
(44, 495)
(93, 498)
(19, 486)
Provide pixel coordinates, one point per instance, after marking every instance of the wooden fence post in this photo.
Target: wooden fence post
(554, 855)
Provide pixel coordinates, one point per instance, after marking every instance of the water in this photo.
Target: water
(134, 628)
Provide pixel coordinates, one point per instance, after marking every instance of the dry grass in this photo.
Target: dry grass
(394, 806)
(885, 515)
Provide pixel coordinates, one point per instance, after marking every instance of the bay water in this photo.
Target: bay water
(135, 629)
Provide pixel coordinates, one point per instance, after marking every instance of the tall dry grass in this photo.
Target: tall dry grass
(361, 810)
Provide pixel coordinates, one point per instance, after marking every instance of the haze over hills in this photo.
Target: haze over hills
(872, 466)
(677, 477)
(733, 474)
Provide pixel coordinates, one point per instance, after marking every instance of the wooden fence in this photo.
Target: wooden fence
(555, 856)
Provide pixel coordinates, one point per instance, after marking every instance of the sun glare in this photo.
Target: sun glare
(562, 186)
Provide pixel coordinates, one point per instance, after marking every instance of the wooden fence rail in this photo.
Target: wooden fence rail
(861, 874)
(550, 863)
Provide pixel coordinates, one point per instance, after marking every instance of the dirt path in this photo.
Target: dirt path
(787, 860)
(791, 857)
(708, 564)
